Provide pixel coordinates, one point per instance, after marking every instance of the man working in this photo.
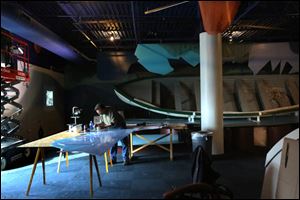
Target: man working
(111, 118)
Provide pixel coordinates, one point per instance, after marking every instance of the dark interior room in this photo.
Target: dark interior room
(150, 99)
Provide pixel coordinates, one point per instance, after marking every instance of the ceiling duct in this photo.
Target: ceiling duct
(18, 22)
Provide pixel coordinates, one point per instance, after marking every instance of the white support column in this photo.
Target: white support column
(211, 79)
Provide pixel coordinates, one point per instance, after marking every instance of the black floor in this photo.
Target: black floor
(149, 176)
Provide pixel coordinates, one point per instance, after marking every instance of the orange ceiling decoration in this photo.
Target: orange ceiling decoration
(217, 15)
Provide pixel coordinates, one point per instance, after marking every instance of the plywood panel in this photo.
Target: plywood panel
(156, 93)
(197, 94)
(293, 90)
(140, 90)
(187, 96)
(246, 95)
(228, 93)
(178, 97)
(272, 96)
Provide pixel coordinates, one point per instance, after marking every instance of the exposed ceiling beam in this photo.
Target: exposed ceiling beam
(149, 40)
(62, 5)
(258, 27)
(164, 7)
(134, 22)
(95, 21)
(156, 32)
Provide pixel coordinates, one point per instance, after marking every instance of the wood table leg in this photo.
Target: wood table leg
(33, 169)
(43, 165)
(106, 163)
(59, 159)
(110, 160)
(131, 147)
(97, 170)
(67, 159)
(171, 144)
(91, 176)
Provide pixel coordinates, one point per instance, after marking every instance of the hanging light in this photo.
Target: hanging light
(112, 38)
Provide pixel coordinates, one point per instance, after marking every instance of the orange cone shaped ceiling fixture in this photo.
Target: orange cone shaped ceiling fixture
(217, 15)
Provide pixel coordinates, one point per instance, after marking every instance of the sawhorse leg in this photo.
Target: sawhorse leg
(91, 174)
(106, 162)
(59, 160)
(97, 170)
(109, 158)
(150, 142)
(106, 157)
(40, 150)
(171, 144)
(131, 146)
(67, 159)
(43, 165)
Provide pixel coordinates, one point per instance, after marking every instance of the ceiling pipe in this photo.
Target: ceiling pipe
(76, 24)
(133, 22)
(163, 7)
(20, 23)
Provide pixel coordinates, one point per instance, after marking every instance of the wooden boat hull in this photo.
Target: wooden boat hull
(244, 96)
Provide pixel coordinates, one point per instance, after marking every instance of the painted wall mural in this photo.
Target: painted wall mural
(276, 53)
(156, 57)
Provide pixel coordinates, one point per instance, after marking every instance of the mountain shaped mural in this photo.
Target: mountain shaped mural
(270, 58)
(276, 53)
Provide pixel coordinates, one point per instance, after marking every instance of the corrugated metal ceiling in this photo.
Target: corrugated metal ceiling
(78, 22)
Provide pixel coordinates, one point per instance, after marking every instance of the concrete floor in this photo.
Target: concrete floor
(149, 176)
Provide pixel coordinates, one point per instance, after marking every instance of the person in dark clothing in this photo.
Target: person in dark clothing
(109, 118)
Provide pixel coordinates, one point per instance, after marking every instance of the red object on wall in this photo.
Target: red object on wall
(217, 15)
(15, 54)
